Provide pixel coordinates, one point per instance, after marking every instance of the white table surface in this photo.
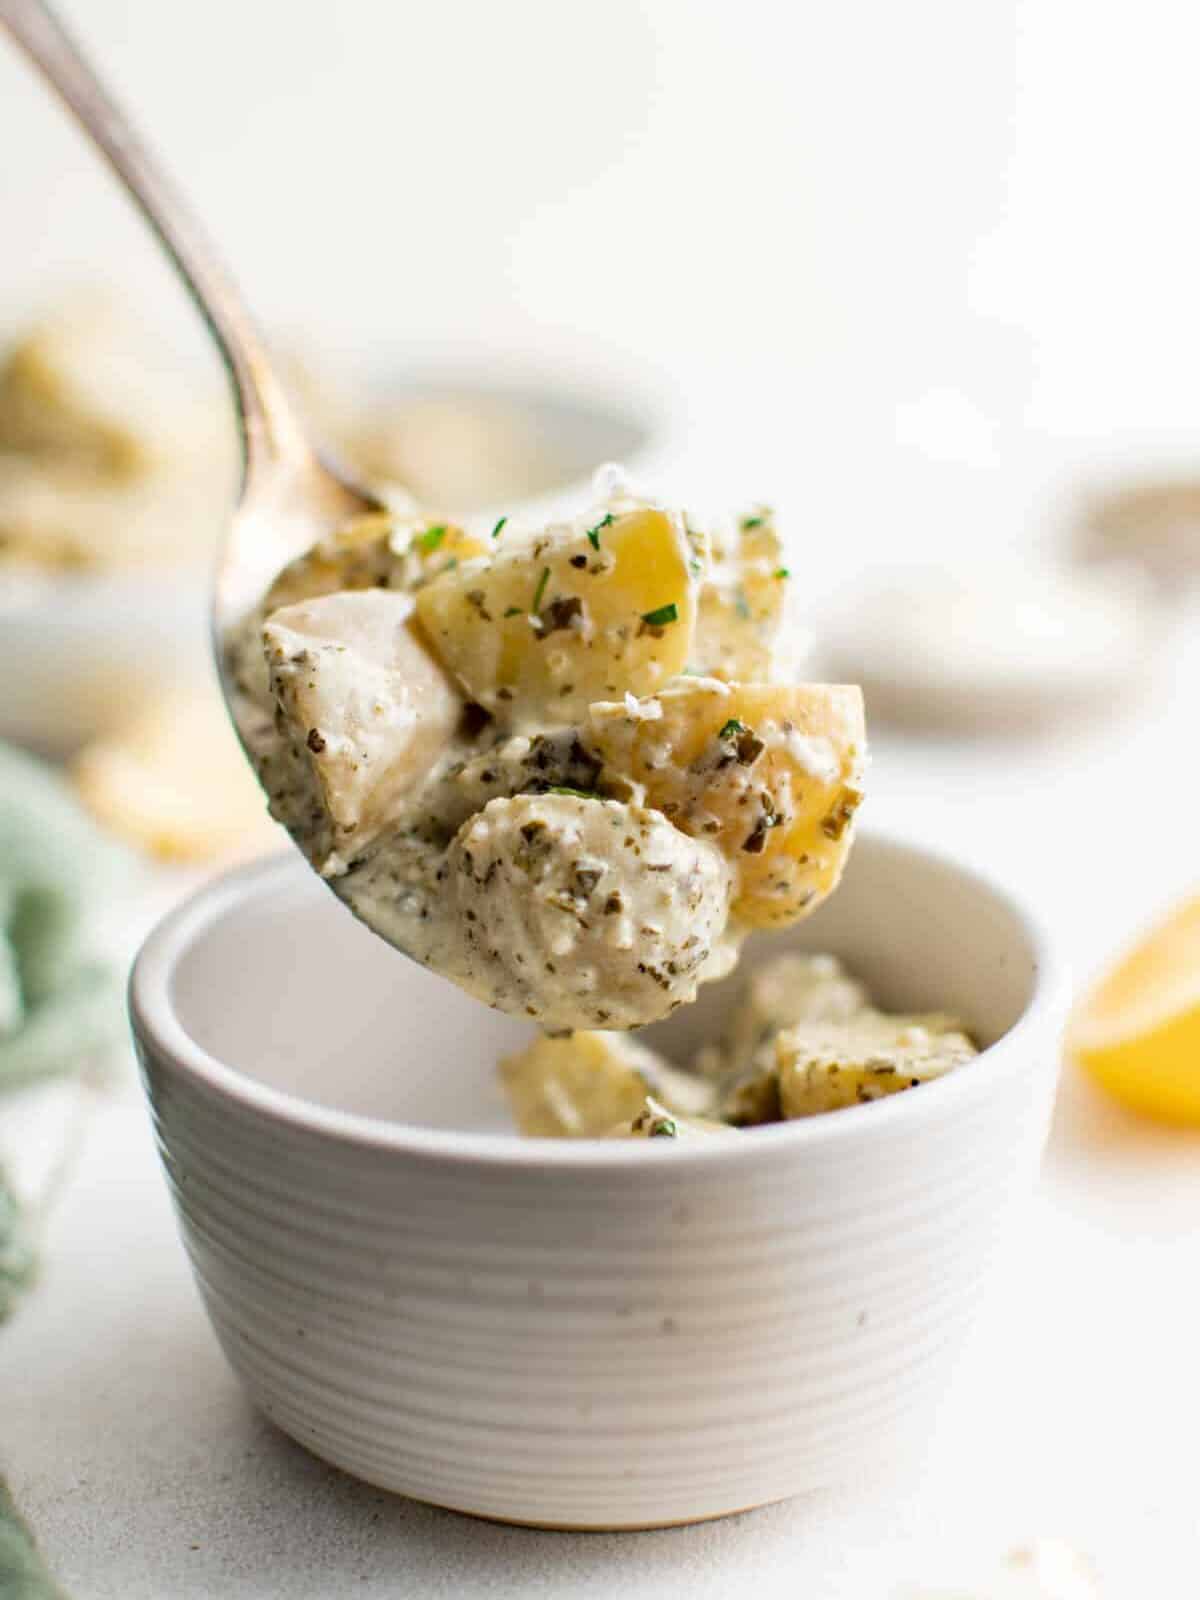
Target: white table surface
(1074, 1414)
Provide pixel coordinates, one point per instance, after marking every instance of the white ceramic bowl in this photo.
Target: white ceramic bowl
(591, 1334)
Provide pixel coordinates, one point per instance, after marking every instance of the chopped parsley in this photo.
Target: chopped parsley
(731, 727)
(782, 572)
(541, 589)
(514, 611)
(451, 564)
(664, 1128)
(432, 537)
(752, 522)
(499, 528)
(663, 615)
(593, 534)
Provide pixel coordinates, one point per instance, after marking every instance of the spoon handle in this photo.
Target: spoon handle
(269, 426)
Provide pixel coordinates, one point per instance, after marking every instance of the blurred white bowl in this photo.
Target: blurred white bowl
(483, 447)
(595, 1333)
(79, 652)
(1010, 643)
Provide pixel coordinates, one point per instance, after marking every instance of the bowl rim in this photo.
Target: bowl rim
(159, 1031)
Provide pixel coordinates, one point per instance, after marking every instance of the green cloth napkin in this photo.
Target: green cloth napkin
(61, 1008)
(16, 1252)
(56, 869)
(23, 1573)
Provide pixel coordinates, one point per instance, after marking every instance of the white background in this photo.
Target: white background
(912, 271)
(808, 222)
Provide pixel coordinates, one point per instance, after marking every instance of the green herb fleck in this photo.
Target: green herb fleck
(731, 727)
(432, 537)
(541, 589)
(514, 611)
(663, 615)
(664, 1128)
(499, 528)
(752, 522)
(451, 564)
(782, 572)
(593, 534)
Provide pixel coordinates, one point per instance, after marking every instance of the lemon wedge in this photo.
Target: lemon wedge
(1138, 1031)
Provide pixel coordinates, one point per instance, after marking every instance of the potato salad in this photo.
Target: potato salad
(803, 1038)
(569, 767)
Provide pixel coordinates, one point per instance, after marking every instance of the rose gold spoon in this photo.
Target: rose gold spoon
(291, 495)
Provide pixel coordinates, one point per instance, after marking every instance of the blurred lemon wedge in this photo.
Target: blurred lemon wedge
(1138, 1031)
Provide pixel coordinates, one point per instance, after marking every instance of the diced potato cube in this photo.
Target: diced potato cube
(743, 603)
(576, 615)
(584, 1085)
(586, 913)
(771, 774)
(826, 1066)
(790, 988)
(381, 550)
(363, 704)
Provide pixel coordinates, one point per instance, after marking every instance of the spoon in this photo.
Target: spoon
(291, 494)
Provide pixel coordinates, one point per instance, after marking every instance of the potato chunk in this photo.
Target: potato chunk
(789, 989)
(744, 623)
(770, 774)
(585, 913)
(578, 614)
(826, 1066)
(583, 1085)
(381, 550)
(364, 706)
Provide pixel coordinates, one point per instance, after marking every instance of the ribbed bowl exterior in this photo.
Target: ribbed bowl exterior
(602, 1345)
